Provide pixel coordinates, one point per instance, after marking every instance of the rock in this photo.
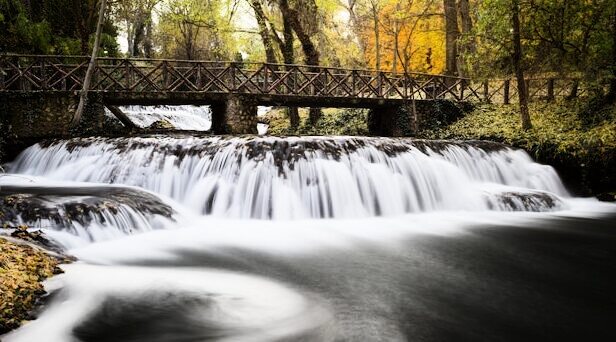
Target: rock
(161, 124)
(607, 197)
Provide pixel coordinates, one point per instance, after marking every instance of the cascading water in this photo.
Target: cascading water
(193, 118)
(183, 238)
(75, 215)
(305, 177)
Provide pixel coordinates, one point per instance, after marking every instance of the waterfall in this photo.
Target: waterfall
(304, 238)
(306, 177)
(194, 118)
(73, 215)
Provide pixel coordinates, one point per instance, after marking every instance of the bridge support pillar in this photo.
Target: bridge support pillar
(237, 115)
(405, 120)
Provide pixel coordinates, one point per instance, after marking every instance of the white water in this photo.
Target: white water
(193, 118)
(300, 177)
(182, 117)
(327, 195)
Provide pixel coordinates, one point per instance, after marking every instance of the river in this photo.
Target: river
(205, 238)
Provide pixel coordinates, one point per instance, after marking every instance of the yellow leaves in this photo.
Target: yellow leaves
(21, 270)
(409, 36)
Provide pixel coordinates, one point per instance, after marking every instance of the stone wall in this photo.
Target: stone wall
(238, 115)
(29, 118)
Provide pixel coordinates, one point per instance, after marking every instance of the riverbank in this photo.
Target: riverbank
(21, 275)
(577, 140)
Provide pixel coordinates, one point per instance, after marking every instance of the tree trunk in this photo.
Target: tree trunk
(83, 96)
(289, 58)
(396, 41)
(377, 38)
(357, 27)
(138, 39)
(310, 51)
(451, 37)
(517, 65)
(468, 46)
(286, 49)
(148, 45)
(270, 54)
(611, 96)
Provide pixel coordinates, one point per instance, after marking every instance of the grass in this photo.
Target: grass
(22, 269)
(555, 124)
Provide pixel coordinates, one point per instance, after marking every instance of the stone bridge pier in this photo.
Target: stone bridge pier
(235, 115)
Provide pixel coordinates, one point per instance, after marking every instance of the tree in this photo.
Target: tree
(293, 18)
(136, 19)
(408, 35)
(517, 65)
(466, 43)
(451, 37)
(264, 31)
(195, 29)
(53, 27)
(612, 90)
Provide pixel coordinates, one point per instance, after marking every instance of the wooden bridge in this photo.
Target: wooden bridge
(121, 81)
(159, 81)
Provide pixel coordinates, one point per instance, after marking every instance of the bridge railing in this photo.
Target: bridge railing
(27, 73)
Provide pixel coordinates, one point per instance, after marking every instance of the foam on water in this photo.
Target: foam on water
(236, 307)
(193, 118)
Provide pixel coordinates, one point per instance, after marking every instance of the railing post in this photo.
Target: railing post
(380, 84)
(324, 91)
(294, 71)
(353, 89)
(232, 74)
(462, 88)
(165, 76)
(506, 92)
(550, 90)
(199, 83)
(405, 84)
(265, 76)
(127, 74)
(486, 93)
(43, 75)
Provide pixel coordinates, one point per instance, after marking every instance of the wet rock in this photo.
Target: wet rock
(518, 201)
(162, 125)
(607, 197)
(60, 208)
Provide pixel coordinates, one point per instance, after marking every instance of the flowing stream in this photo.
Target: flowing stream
(201, 238)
